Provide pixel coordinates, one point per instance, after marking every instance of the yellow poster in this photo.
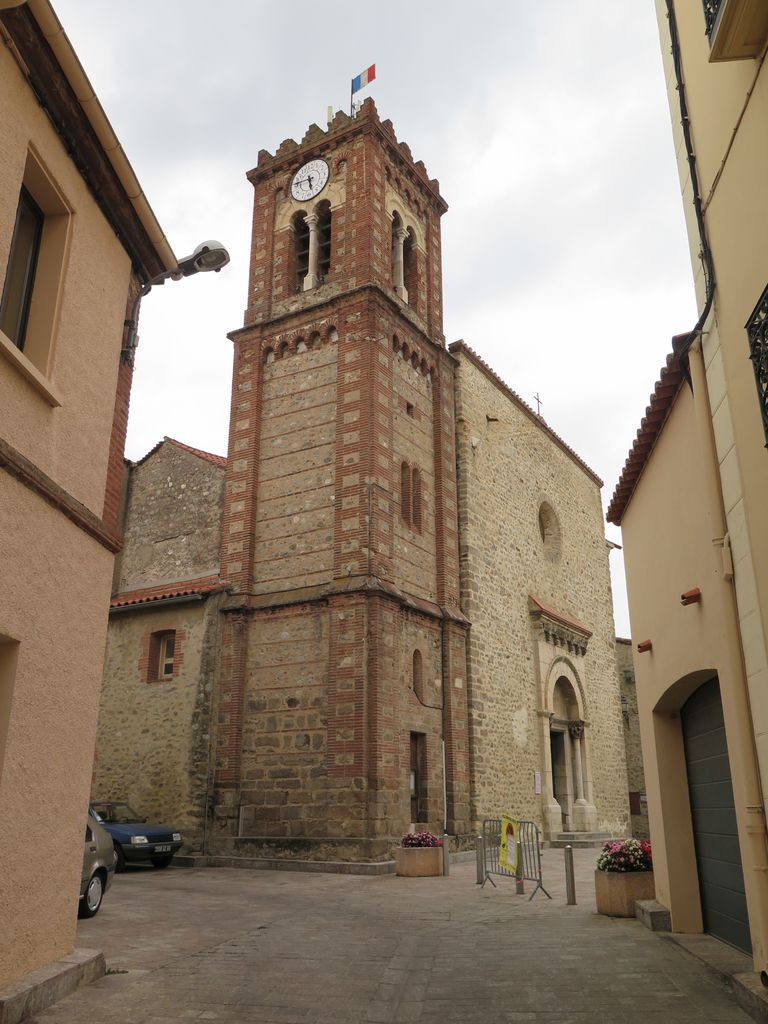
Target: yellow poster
(508, 850)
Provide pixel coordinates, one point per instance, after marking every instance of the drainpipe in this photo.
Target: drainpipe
(705, 253)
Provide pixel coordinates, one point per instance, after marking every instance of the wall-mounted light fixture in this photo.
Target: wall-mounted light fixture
(210, 255)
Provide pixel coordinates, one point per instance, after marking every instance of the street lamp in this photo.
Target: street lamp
(210, 255)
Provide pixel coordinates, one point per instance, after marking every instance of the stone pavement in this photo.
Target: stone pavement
(262, 947)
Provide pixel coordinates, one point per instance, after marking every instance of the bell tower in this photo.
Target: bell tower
(341, 704)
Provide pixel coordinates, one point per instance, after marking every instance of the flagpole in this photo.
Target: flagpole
(352, 98)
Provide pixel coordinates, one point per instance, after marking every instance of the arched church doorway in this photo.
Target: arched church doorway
(713, 815)
(565, 741)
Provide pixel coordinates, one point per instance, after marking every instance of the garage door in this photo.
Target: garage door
(718, 857)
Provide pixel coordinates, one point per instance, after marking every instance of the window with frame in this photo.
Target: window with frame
(22, 266)
(162, 656)
(34, 275)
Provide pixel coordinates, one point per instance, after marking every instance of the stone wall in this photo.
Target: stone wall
(152, 746)
(638, 805)
(294, 529)
(173, 518)
(510, 465)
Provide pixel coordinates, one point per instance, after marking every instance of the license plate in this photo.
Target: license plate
(163, 849)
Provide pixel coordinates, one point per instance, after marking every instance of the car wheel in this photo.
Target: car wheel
(161, 862)
(94, 894)
(119, 858)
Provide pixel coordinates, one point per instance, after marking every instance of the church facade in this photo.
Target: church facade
(398, 611)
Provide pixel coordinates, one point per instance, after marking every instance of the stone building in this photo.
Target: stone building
(164, 626)
(638, 801)
(692, 497)
(77, 242)
(370, 671)
(545, 723)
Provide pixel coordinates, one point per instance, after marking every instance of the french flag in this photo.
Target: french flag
(364, 79)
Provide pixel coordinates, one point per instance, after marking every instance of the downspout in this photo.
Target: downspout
(705, 253)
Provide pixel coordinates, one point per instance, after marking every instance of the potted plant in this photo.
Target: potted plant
(420, 854)
(624, 874)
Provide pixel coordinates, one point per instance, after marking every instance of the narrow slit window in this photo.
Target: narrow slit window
(416, 500)
(405, 492)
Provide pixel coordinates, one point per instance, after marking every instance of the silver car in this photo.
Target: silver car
(98, 867)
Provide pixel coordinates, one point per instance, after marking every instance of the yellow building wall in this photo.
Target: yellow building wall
(668, 531)
(728, 106)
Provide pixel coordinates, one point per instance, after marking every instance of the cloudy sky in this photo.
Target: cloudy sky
(564, 253)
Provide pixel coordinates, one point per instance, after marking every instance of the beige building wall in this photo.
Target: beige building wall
(668, 529)
(510, 466)
(727, 102)
(58, 409)
(57, 404)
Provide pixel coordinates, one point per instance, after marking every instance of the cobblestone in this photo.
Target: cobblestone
(259, 947)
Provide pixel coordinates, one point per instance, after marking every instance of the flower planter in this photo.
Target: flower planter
(419, 862)
(617, 891)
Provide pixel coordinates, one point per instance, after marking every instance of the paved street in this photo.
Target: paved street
(261, 947)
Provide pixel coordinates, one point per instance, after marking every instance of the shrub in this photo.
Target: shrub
(626, 855)
(421, 839)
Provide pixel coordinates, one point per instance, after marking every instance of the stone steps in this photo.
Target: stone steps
(579, 840)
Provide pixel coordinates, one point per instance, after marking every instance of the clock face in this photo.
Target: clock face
(310, 180)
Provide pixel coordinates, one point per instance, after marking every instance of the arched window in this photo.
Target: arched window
(405, 492)
(399, 236)
(416, 500)
(300, 247)
(417, 678)
(324, 239)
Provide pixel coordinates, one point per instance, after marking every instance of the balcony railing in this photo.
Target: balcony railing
(757, 332)
(711, 10)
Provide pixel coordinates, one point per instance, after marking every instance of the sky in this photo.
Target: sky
(565, 259)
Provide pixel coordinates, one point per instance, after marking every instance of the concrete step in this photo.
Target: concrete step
(579, 840)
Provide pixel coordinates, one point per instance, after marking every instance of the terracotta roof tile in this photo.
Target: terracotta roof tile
(480, 363)
(215, 460)
(203, 585)
(651, 425)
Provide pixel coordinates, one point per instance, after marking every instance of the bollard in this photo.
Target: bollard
(480, 859)
(446, 854)
(519, 883)
(570, 881)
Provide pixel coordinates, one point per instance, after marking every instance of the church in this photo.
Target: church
(389, 606)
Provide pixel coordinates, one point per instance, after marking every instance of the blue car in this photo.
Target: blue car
(133, 838)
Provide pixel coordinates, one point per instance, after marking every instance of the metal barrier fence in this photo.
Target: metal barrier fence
(528, 856)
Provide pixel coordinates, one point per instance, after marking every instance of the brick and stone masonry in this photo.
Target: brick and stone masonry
(391, 601)
(335, 585)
